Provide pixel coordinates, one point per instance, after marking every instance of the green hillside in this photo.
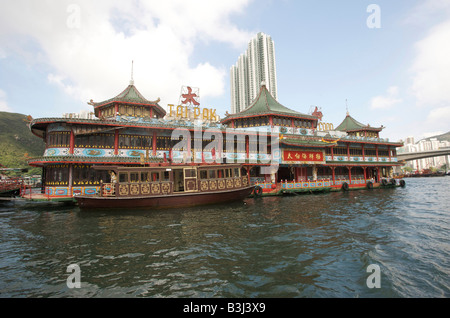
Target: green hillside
(17, 142)
(442, 137)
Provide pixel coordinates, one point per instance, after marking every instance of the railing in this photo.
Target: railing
(308, 184)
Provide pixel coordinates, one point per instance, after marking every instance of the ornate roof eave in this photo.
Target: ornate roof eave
(265, 101)
(305, 143)
(231, 117)
(365, 128)
(123, 124)
(39, 161)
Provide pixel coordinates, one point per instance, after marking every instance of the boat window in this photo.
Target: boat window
(212, 174)
(227, 173)
(144, 177)
(166, 176)
(190, 173)
(155, 176)
(123, 177)
(134, 177)
(203, 174)
(220, 173)
(236, 172)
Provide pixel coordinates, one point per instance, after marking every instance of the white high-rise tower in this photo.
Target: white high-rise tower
(253, 67)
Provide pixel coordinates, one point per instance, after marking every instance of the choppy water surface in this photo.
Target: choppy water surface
(298, 246)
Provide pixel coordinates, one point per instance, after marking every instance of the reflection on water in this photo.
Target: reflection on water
(297, 246)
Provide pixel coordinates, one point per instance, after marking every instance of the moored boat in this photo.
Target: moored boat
(10, 187)
(168, 186)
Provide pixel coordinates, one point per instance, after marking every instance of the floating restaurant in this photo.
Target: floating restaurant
(281, 150)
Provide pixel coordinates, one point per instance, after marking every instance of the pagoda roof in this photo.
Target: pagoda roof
(351, 124)
(266, 104)
(130, 95)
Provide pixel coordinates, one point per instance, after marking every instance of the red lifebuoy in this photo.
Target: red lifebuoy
(258, 191)
(345, 186)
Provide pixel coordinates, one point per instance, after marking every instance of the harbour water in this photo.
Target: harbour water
(298, 246)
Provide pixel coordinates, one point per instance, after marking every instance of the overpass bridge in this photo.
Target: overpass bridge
(408, 156)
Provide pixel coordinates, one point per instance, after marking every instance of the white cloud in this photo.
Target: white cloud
(428, 11)
(441, 115)
(3, 104)
(386, 101)
(90, 45)
(431, 67)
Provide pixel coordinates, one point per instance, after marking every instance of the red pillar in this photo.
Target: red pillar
(154, 144)
(332, 173)
(116, 109)
(72, 142)
(270, 120)
(365, 175)
(116, 142)
(247, 149)
(348, 151)
(376, 149)
(349, 174)
(332, 154)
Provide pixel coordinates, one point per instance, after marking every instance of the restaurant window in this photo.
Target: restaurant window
(58, 139)
(134, 177)
(212, 174)
(144, 176)
(57, 175)
(166, 176)
(123, 177)
(155, 176)
(203, 174)
(190, 173)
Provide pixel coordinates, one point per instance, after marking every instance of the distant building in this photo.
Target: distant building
(84, 114)
(425, 145)
(253, 67)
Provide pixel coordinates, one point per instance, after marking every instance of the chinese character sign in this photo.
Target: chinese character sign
(300, 156)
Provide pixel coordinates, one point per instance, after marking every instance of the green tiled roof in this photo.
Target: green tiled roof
(304, 143)
(265, 103)
(351, 124)
(130, 95)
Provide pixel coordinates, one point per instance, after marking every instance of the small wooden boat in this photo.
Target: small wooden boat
(10, 187)
(168, 186)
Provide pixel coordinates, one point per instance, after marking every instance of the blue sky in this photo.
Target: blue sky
(57, 55)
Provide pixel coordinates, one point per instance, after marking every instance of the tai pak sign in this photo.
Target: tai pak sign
(307, 157)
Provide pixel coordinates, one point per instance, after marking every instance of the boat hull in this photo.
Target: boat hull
(163, 201)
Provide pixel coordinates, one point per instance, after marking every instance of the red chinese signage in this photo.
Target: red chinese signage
(310, 156)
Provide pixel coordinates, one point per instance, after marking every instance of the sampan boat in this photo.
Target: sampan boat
(168, 186)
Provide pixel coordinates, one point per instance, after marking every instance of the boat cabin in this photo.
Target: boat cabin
(165, 180)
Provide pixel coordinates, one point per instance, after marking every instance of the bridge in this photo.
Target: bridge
(408, 156)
